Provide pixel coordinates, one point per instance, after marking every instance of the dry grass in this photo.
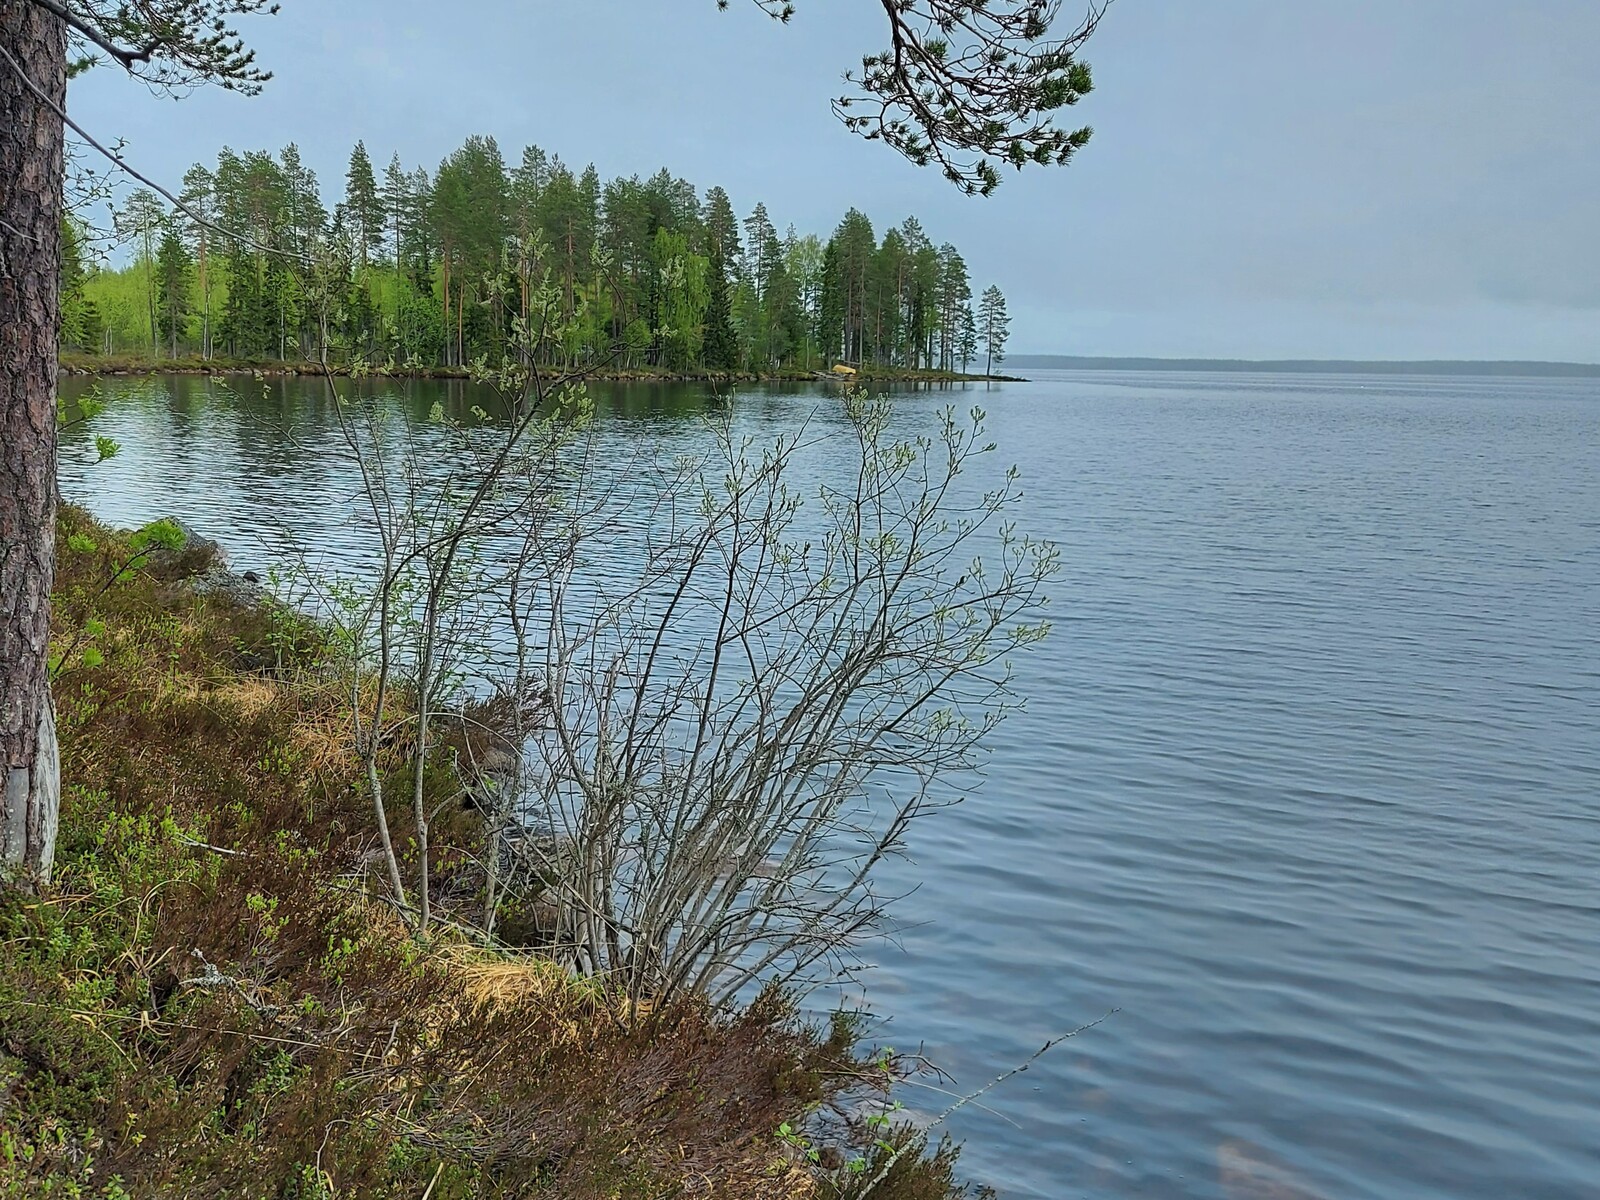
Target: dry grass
(206, 1004)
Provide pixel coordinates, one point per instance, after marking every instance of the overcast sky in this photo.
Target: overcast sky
(1268, 178)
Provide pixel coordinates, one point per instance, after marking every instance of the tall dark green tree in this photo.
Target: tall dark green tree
(362, 211)
(759, 309)
(255, 207)
(722, 228)
(967, 339)
(855, 249)
(955, 297)
(470, 195)
(81, 326)
(568, 216)
(831, 328)
(174, 289)
(720, 343)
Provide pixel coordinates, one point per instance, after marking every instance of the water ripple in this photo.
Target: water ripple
(1306, 785)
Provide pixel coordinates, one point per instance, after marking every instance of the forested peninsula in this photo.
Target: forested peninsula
(429, 274)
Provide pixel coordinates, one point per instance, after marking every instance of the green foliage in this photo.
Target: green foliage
(993, 327)
(84, 409)
(174, 290)
(720, 344)
(489, 261)
(82, 326)
(913, 1176)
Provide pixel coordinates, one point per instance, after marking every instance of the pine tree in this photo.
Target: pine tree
(993, 327)
(855, 248)
(200, 195)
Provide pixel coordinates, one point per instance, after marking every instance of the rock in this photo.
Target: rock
(196, 543)
(201, 564)
(198, 555)
(242, 590)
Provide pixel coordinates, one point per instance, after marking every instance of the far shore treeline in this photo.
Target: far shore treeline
(436, 271)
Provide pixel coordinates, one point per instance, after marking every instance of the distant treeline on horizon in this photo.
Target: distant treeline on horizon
(1306, 366)
(441, 269)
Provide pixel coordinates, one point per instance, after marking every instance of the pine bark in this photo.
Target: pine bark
(30, 264)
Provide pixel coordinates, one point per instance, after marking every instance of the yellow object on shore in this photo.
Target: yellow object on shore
(842, 369)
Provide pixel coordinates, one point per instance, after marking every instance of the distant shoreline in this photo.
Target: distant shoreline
(1309, 366)
(129, 364)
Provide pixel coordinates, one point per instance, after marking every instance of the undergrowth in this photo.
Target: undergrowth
(208, 1001)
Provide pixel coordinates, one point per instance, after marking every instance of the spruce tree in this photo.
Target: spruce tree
(174, 277)
(363, 205)
(832, 334)
(722, 228)
(721, 344)
(76, 308)
(967, 337)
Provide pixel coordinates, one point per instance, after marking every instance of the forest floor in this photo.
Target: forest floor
(142, 364)
(213, 999)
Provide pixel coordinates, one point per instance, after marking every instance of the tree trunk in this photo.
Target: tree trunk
(205, 296)
(30, 266)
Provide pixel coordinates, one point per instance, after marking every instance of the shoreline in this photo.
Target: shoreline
(87, 365)
(286, 1011)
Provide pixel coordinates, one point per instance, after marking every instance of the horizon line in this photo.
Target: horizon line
(1413, 365)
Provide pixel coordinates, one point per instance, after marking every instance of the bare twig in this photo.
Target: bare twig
(918, 1142)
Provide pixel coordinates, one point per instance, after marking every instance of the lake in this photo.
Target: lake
(1307, 788)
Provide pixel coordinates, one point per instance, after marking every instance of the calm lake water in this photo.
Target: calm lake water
(1308, 787)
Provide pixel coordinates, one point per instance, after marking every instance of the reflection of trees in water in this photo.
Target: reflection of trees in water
(256, 461)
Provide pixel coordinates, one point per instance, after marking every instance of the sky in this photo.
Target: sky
(1267, 179)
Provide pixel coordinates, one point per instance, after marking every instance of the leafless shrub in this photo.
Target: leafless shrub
(740, 728)
(713, 701)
